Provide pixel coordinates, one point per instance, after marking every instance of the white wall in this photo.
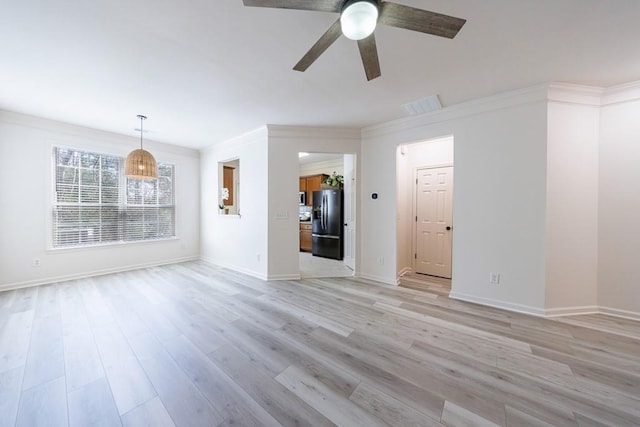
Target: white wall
(264, 240)
(499, 197)
(619, 204)
(572, 208)
(237, 241)
(284, 144)
(434, 153)
(26, 187)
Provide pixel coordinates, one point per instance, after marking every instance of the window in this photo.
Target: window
(94, 203)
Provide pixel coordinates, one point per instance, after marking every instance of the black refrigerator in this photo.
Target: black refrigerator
(327, 221)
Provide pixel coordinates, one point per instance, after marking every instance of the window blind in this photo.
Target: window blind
(95, 203)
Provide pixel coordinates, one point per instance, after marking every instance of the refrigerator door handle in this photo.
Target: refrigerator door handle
(324, 211)
(322, 207)
(321, 213)
(324, 236)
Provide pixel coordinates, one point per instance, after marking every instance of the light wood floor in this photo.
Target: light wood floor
(423, 282)
(315, 267)
(191, 344)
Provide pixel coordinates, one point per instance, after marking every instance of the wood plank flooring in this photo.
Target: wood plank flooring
(192, 344)
(430, 284)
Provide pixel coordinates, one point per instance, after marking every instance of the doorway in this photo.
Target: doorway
(434, 216)
(314, 168)
(425, 210)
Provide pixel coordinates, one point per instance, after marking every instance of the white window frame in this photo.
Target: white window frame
(121, 204)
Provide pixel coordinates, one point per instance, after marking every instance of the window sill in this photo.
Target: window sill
(110, 245)
(238, 216)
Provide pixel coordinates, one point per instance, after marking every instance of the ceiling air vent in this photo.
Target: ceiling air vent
(423, 105)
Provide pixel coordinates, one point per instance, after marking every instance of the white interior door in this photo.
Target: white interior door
(350, 211)
(434, 202)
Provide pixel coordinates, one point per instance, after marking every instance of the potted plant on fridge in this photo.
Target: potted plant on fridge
(334, 180)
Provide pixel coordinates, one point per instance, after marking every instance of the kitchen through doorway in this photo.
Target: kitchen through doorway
(327, 214)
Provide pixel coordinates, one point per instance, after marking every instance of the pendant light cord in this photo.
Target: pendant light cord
(141, 128)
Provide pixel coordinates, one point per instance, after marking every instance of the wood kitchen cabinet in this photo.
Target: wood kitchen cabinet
(305, 237)
(227, 182)
(310, 184)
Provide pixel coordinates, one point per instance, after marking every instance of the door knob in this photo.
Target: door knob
(448, 227)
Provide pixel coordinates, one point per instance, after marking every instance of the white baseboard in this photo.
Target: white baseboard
(63, 278)
(550, 313)
(380, 279)
(519, 308)
(242, 270)
(251, 273)
(283, 277)
(571, 311)
(626, 314)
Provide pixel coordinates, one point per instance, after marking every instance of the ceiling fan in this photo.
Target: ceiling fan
(358, 20)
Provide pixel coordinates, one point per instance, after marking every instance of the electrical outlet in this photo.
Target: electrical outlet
(494, 278)
(282, 215)
(36, 262)
(258, 257)
(381, 260)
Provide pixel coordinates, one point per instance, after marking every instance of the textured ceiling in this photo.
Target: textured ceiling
(204, 71)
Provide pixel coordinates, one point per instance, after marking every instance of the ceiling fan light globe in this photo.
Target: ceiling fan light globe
(359, 19)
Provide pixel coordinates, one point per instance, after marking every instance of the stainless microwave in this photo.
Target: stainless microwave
(302, 198)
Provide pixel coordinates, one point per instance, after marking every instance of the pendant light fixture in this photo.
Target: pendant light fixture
(140, 164)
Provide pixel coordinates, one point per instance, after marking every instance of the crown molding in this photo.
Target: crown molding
(67, 131)
(575, 94)
(533, 94)
(309, 132)
(548, 92)
(257, 135)
(594, 96)
(626, 92)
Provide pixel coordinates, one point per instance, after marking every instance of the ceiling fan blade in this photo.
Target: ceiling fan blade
(321, 45)
(410, 18)
(369, 55)
(317, 5)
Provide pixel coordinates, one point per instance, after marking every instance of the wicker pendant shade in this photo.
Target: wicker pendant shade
(141, 164)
